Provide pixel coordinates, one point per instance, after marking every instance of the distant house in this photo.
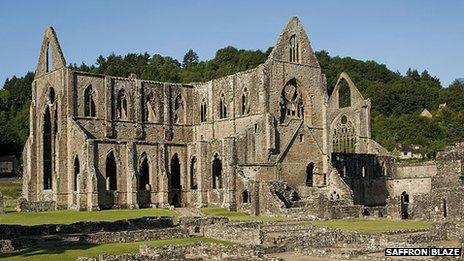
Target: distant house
(425, 113)
(409, 152)
(8, 166)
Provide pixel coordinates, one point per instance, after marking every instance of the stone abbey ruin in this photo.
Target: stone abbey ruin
(270, 140)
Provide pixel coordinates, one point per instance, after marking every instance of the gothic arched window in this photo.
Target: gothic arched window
(344, 136)
(294, 49)
(121, 105)
(179, 109)
(245, 102)
(89, 103)
(203, 109)
(222, 107)
(150, 108)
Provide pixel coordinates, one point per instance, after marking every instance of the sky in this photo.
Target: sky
(414, 34)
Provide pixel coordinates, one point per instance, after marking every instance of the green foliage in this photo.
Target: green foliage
(396, 99)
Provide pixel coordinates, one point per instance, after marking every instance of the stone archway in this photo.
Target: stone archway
(310, 174)
(175, 188)
(404, 205)
(47, 150)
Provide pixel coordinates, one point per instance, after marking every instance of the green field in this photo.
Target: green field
(375, 225)
(239, 216)
(11, 191)
(70, 216)
(71, 253)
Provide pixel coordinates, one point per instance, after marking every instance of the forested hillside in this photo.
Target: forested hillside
(397, 99)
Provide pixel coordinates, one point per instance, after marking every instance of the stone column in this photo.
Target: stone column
(92, 181)
(109, 132)
(163, 176)
(131, 179)
(230, 197)
(139, 103)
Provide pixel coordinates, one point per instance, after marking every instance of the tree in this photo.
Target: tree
(190, 58)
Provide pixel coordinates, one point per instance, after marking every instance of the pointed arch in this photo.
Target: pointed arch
(121, 105)
(150, 108)
(76, 171)
(144, 173)
(217, 172)
(51, 57)
(245, 102)
(203, 110)
(310, 174)
(294, 55)
(174, 182)
(345, 92)
(291, 101)
(51, 95)
(222, 106)
(344, 136)
(111, 171)
(179, 109)
(47, 149)
(89, 102)
(246, 196)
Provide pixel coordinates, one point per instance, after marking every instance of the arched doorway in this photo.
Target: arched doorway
(404, 205)
(143, 183)
(309, 174)
(217, 172)
(174, 196)
(47, 150)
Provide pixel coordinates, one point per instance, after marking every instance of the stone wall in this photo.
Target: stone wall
(15, 231)
(35, 206)
(197, 251)
(239, 232)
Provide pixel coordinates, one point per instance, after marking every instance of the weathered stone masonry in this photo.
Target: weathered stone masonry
(99, 142)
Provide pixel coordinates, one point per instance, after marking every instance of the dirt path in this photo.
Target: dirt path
(189, 212)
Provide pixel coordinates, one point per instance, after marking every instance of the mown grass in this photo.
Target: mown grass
(11, 191)
(72, 252)
(375, 225)
(70, 216)
(239, 216)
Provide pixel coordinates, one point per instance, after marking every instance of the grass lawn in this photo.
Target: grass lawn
(11, 191)
(375, 225)
(70, 216)
(239, 216)
(71, 253)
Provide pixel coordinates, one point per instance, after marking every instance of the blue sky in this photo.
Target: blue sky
(402, 34)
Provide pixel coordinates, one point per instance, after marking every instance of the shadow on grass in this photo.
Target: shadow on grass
(46, 250)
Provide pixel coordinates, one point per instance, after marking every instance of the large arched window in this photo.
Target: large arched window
(344, 136)
(291, 103)
(111, 172)
(76, 171)
(47, 150)
(222, 107)
(144, 173)
(121, 105)
(89, 102)
(217, 172)
(203, 110)
(245, 102)
(150, 108)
